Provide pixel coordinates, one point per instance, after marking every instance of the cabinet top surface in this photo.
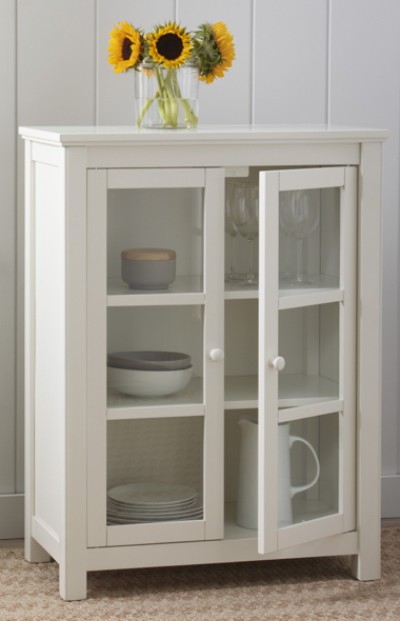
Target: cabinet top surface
(97, 134)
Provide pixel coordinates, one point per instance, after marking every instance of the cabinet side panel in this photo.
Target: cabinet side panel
(367, 564)
(49, 346)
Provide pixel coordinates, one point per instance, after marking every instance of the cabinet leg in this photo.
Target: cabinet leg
(73, 583)
(363, 571)
(367, 564)
(34, 553)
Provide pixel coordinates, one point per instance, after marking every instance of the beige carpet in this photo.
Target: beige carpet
(295, 590)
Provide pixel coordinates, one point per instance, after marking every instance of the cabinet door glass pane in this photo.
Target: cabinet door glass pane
(242, 232)
(308, 469)
(309, 343)
(155, 355)
(309, 238)
(168, 219)
(154, 470)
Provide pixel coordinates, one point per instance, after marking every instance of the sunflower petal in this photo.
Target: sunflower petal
(125, 47)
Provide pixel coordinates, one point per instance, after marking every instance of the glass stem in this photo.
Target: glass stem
(250, 274)
(231, 264)
(299, 258)
(229, 273)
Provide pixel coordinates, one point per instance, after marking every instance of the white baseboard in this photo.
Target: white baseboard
(11, 516)
(390, 496)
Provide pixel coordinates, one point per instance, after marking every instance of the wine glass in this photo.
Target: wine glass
(245, 217)
(299, 217)
(231, 231)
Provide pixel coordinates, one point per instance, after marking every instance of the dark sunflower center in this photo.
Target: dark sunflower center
(170, 46)
(126, 49)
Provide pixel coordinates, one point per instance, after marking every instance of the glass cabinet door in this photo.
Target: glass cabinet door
(155, 347)
(307, 354)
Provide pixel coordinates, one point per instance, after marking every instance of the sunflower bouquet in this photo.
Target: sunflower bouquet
(157, 56)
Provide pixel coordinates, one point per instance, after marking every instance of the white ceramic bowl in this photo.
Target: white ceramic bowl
(141, 383)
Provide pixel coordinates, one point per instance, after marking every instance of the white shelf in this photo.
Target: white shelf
(186, 402)
(322, 290)
(304, 510)
(317, 282)
(298, 389)
(234, 291)
(241, 392)
(184, 290)
(189, 290)
(231, 529)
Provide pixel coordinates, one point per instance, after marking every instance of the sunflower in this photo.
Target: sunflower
(125, 48)
(169, 45)
(215, 50)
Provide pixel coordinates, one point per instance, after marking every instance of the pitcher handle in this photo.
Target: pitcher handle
(296, 489)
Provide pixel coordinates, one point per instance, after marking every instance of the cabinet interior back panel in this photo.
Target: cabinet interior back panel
(156, 450)
(154, 218)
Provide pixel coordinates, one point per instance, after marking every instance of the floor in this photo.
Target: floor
(386, 522)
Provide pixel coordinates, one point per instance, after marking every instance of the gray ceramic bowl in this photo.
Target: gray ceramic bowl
(149, 360)
(148, 268)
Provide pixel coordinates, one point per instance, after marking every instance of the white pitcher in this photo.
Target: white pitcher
(247, 505)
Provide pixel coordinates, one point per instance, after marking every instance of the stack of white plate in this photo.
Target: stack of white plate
(136, 503)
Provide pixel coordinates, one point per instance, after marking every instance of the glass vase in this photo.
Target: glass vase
(166, 98)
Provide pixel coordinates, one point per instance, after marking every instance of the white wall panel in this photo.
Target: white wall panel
(290, 76)
(227, 99)
(7, 248)
(115, 92)
(55, 78)
(365, 90)
(56, 62)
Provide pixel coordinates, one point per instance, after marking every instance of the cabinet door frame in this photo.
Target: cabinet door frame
(270, 537)
(99, 182)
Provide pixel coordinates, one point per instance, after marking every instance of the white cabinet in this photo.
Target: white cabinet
(272, 448)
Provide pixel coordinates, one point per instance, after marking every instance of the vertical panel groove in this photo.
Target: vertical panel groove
(19, 288)
(18, 428)
(397, 396)
(253, 63)
(328, 62)
(96, 63)
(7, 259)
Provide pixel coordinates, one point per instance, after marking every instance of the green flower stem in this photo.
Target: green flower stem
(144, 109)
(161, 102)
(190, 117)
(172, 97)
